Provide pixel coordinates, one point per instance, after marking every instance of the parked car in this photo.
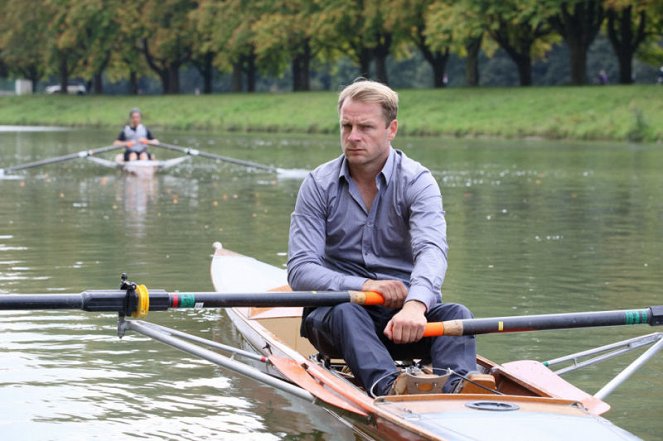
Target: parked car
(74, 89)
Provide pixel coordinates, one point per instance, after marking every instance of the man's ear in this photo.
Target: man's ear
(392, 129)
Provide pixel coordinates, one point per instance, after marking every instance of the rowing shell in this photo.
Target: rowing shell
(140, 168)
(530, 402)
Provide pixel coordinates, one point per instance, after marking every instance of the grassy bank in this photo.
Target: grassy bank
(621, 113)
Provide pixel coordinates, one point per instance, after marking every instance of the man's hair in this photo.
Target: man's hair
(366, 91)
(135, 110)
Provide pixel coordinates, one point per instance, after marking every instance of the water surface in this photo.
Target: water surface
(534, 227)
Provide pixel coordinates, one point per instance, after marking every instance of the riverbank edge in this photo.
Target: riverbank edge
(607, 113)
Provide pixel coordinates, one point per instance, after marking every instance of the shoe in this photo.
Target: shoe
(414, 381)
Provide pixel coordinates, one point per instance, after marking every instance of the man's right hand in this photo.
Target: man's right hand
(393, 291)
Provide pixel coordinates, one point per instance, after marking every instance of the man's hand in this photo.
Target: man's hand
(407, 326)
(393, 291)
(130, 144)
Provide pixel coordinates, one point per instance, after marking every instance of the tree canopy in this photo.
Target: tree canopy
(306, 41)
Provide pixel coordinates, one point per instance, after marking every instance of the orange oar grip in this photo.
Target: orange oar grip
(434, 329)
(373, 298)
(366, 298)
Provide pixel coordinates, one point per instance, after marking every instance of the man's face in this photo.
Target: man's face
(135, 119)
(365, 136)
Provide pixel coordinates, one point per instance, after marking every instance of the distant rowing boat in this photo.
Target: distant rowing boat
(147, 168)
(140, 168)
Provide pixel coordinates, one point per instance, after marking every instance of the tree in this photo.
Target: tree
(626, 29)
(63, 49)
(95, 26)
(437, 55)
(284, 36)
(458, 25)
(228, 27)
(24, 39)
(578, 22)
(167, 39)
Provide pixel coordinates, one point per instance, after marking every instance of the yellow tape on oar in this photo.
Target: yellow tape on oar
(142, 302)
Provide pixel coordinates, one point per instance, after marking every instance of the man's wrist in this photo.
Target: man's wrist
(416, 304)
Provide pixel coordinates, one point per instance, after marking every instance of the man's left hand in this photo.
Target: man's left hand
(407, 326)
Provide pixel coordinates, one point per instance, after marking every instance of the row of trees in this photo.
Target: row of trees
(119, 39)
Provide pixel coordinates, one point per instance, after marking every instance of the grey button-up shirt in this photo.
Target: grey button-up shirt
(336, 244)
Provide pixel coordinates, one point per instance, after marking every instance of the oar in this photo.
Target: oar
(196, 152)
(137, 301)
(652, 316)
(81, 154)
(284, 173)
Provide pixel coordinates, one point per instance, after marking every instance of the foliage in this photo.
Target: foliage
(91, 39)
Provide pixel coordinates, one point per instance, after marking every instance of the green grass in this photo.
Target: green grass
(623, 113)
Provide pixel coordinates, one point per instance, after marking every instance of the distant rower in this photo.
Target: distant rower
(135, 137)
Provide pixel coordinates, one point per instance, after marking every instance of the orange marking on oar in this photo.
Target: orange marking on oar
(434, 329)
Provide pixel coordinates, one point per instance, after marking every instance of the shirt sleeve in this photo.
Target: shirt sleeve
(149, 134)
(306, 245)
(121, 136)
(428, 232)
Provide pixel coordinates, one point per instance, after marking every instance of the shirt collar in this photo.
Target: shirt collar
(383, 177)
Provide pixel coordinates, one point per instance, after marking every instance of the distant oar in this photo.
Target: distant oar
(81, 154)
(652, 316)
(294, 173)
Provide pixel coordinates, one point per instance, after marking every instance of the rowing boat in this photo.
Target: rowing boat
(519, 400)
(140, 168)
(522, 400)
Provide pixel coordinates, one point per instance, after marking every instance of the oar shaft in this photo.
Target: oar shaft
(81, 154)
(196, 152)
(160, 300)
(651, 316)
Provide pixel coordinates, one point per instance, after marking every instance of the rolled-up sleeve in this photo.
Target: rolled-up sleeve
(306, 244)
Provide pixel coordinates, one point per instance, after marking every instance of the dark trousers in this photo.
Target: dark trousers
(355, 333)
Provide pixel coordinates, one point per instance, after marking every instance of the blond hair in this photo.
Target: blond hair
(366, 91)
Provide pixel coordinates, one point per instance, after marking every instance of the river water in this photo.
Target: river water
(534, 227)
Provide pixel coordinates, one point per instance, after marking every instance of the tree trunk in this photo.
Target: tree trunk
(206, 70)
(165, 81)
(173, 79)
(236, 81)
(381, 52)
(98, 83)
(365, 57)
(524, 64)
(64, 74)
(301, 68)
(251, 73)
(133, 83)
(625, 40)
(578, 61)
(578, 25)
(472, 64)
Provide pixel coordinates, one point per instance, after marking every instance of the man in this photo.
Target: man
(135, 137)
(372, 220)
